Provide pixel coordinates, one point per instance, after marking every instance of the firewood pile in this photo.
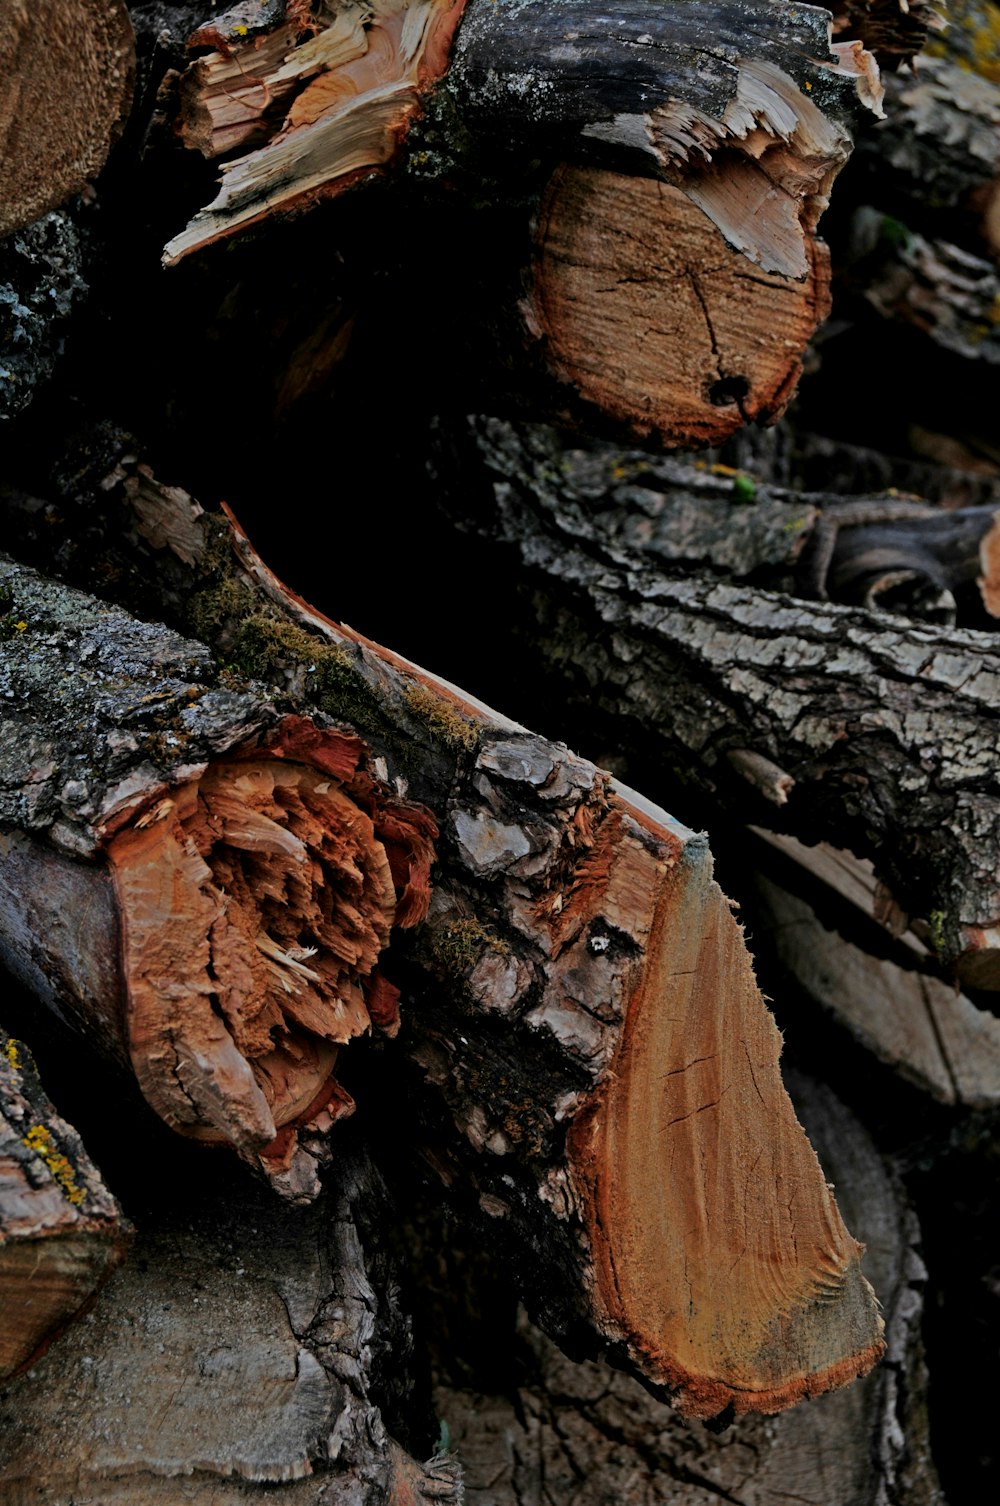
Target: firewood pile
(579, 1086)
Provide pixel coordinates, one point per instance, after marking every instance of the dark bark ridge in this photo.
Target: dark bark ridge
(889, 731)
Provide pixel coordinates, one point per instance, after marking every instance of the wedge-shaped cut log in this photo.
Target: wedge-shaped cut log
(714, 1278)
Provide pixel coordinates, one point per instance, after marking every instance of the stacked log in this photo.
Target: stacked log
(339, 921)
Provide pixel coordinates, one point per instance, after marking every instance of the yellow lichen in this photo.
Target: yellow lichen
(11, 1053)
(41, 1142)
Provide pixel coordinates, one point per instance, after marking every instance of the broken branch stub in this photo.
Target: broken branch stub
(277, 873)
(250, 897)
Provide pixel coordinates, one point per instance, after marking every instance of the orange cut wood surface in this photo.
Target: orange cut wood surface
(720, 1255)
(655, 320)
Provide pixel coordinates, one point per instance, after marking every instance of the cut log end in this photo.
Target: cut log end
(722, 1262)
(68, 73)
(255, 902)
(684, 339)
(989, 564)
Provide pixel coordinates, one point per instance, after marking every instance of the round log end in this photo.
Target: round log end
(68, 68)
(654, 320)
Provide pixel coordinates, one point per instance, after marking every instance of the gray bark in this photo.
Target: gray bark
(888, 729)
(235, 1358)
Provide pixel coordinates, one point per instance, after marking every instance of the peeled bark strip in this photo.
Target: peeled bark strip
(61, 1231)
(68, 68)
(584, 1011)
(888, 730)
(589, 1434)
(202, 885)
(254, 1351)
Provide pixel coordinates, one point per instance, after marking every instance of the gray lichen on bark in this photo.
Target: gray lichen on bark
(99, 707)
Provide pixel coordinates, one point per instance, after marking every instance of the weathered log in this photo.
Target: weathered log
(202, 885)
(886, 729)
(61, 1231)
(347, 93)
(946, 292)
(68, 70)
(934, 162)
(836, 936)
(234, 1352)
(583, 1009)
(674, 274)
(880, 551)
(588, 1434)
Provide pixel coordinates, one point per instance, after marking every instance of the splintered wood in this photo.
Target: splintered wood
(254, 904)
(656, 320)
(266, 889)
(317, 114)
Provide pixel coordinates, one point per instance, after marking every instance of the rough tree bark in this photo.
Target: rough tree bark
(887, 731)
(235, 1351)
(583, 1004)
